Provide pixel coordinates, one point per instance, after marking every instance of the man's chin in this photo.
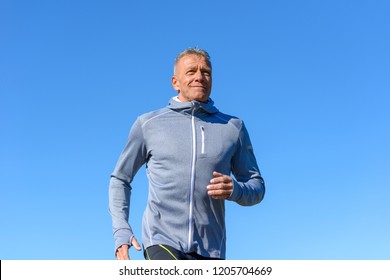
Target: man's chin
(202, 97)
(198, 96)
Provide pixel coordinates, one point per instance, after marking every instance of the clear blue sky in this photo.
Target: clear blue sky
(311, 79)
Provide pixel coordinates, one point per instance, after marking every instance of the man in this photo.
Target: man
(190, 149)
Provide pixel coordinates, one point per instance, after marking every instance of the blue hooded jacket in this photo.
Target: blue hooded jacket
(181, 146)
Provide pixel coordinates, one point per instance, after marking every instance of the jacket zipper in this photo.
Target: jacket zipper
(202, 133)
(190, 218)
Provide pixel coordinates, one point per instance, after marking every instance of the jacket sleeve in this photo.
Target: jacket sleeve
(131, 159)
(249, 187)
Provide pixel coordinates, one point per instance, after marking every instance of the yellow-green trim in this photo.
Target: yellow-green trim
(147, 254)
(166, 249)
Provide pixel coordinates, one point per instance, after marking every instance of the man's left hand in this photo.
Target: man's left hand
(221, 186)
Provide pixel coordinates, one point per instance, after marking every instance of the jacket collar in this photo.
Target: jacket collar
(207, 107)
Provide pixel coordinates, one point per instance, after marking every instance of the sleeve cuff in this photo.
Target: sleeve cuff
(236, 194)
(123, 236)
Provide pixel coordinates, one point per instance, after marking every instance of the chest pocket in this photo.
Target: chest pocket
(213, 142)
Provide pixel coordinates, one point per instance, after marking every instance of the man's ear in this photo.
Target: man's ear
(175, 83)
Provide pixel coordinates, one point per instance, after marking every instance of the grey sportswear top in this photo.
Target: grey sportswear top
(181, 146)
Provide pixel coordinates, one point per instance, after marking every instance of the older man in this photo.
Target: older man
(190, 149)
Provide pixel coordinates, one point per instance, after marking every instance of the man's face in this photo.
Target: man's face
(192, 78)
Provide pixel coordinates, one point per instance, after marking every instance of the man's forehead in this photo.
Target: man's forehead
(193, 59)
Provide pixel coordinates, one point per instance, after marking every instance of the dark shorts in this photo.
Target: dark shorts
(165, 252)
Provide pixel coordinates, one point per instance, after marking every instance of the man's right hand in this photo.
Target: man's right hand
(123, 251)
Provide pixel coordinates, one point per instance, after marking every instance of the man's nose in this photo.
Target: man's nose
(199, 75)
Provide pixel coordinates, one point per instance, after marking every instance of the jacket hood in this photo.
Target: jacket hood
(207, 107)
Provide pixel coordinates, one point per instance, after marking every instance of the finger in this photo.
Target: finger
(218, 178)
(225, 196)
(219, 191)
(123, 252)
(218, 186)
(226, 184)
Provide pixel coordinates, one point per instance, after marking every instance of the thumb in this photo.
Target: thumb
(135, 244)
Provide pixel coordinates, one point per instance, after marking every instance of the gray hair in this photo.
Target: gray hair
(192, 51)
